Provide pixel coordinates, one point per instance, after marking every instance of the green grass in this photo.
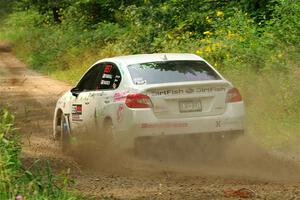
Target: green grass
(36, 182)
(272, 103)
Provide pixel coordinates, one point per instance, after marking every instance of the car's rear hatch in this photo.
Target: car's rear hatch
(188, 99)
(181, 88)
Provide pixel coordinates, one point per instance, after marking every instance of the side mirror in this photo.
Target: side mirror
(75, 91)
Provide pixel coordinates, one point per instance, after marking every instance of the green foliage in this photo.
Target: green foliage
(5, 8)
(285, 24)
(37, 182)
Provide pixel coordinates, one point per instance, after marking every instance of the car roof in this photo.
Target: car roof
(144, 58)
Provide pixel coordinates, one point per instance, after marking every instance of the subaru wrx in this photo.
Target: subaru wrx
(126, 99)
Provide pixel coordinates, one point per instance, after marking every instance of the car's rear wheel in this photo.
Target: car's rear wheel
(65, 143)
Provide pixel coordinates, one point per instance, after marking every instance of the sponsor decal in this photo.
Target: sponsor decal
(120, 113)
(103, 82)
(168, 92)
(107, 68)
(120, 96)
(139, 81)
(187, 91)
(165, 125)
(213, 89)
(77, 112)
(108, 76)
(218, 123)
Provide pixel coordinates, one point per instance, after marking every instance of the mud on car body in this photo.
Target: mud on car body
(129, 98)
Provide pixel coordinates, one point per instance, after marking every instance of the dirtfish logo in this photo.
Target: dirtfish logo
(188, 91)
(217, 89)
(168, 92)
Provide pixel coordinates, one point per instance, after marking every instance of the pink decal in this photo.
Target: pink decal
(120, 113)
(120, 96)
(164, 125)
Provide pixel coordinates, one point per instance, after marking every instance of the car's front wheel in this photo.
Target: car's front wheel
(65, 134)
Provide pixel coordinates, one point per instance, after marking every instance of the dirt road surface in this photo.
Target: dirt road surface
(246, 165)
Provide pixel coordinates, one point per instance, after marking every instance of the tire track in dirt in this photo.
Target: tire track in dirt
(32, 98)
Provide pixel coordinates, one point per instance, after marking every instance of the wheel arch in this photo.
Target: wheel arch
(106, 120)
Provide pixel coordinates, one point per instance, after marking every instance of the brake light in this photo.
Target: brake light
(138, 101)
(233, 95)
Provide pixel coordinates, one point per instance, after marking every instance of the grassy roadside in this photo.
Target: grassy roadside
(272, 104)
(259, 57)
(19, 182)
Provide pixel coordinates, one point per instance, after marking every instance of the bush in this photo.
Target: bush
(38, 182)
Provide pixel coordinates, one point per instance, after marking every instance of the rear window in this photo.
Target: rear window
(171, 71)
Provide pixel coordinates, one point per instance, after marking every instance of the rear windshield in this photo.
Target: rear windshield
(171, 71)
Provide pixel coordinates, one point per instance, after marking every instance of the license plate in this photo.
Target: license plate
(190, 106)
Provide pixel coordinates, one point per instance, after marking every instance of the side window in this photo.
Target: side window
(110, 78)
(89, 80)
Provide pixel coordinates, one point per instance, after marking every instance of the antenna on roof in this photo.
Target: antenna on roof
(165, 57)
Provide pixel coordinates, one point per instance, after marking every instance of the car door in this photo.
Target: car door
(103, 97)
(82, 108)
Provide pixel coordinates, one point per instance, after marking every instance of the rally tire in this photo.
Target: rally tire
(65, 142)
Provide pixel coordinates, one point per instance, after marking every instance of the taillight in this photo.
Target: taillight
(138, 101)
(233, 95)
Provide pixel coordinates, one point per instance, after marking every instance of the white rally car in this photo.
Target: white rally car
(129, 98)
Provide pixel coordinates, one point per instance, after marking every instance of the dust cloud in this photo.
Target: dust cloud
(241, 157)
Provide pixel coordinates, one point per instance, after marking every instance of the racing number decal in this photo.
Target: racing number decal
(76, 112)
(107, 68)
(106, 75)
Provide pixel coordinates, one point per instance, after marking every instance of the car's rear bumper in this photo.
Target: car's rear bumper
(144, 124)
(196, 137)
